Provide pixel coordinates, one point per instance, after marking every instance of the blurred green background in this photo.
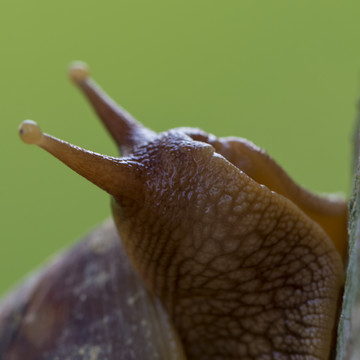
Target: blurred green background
(284, 74)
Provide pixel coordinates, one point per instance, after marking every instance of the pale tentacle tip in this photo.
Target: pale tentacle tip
(78, 71)
(30, 132)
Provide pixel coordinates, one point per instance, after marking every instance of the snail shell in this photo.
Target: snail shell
(87, 303)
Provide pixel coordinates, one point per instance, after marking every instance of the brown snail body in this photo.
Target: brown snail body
(247, 264)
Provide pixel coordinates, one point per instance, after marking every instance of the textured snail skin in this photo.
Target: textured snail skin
(242, 271)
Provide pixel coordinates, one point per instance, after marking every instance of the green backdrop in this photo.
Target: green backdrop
(282, 73)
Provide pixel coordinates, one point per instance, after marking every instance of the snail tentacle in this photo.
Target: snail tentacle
(116, 176)
(122, 126)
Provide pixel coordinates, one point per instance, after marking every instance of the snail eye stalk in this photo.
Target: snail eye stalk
(117, 176)
(123, 127)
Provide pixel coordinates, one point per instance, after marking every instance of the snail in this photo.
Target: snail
(238, 261)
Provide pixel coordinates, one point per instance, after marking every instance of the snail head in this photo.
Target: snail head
(246, 262)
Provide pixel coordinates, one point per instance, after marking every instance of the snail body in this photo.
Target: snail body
(247, 264)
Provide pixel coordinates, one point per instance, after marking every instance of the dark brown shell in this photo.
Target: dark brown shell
(87, 303)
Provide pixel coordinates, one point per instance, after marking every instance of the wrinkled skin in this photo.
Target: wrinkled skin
(243, 273)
